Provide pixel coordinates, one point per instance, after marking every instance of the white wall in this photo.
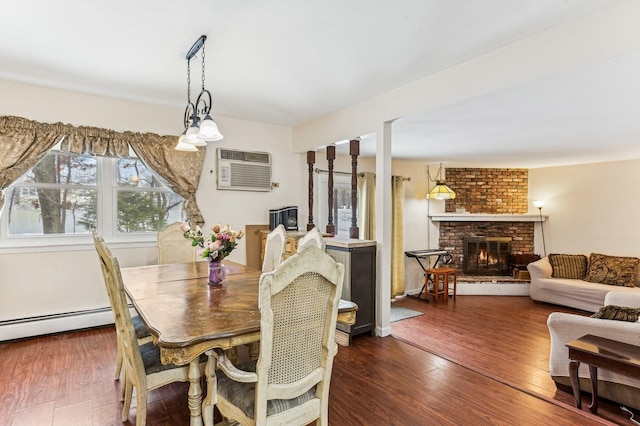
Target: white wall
(591, 207)
(239, 208)
(44, 281)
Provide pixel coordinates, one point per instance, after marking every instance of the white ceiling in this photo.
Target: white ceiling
(288, 61)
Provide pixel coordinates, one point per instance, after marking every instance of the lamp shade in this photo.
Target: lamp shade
(191, 137)
(539, 204)
(441, 192)
(182, 146)
(209, 130)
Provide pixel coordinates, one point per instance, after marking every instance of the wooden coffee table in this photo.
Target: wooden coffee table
(598, 352)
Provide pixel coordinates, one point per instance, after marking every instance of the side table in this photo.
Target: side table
(438, 277)
(598, 352)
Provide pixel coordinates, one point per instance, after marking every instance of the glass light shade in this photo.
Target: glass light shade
(209, 130)
(538, 204)
(182, 146)
(442, 192)
(191, 137)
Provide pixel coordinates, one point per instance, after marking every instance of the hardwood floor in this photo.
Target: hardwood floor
(492, 355)
(503, 338)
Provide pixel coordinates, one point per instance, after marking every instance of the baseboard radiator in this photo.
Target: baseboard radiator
(55, 323)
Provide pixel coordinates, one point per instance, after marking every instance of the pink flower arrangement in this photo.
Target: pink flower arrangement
(216, 246)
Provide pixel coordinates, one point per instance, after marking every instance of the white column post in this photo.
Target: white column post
(383, 229)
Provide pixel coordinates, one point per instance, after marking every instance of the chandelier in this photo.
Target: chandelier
(199, 127)
(441, 191)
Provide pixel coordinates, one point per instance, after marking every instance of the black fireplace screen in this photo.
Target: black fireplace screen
(486, 255)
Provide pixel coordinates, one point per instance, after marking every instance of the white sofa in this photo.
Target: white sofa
(573, 293)
(564, 327)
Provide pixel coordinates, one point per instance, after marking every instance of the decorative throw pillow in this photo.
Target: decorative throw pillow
(573, 266)
(619, 313)
(612, 270)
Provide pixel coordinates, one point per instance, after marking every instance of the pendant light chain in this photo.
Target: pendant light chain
(203, 44)
(188, 81)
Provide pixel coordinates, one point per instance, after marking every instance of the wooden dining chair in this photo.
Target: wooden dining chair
(313, 238)
(274, 249)
(289, 383)
(142, 333)
(141, 363)
(173, 247)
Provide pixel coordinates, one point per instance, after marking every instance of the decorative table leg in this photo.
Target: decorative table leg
(254, 350)
(212, 388)
(594, 389)
(575, 384)
(195, 393)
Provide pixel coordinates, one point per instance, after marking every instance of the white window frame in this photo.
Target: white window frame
(106, 185)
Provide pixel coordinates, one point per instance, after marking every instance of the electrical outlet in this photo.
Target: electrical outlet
(275, 184)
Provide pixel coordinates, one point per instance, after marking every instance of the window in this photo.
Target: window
(67, 195)
(144, 203)
(341, 204)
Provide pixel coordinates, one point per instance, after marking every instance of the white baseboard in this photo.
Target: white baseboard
(493, 289)
(29, 327)
(487, 289)
(382, 331)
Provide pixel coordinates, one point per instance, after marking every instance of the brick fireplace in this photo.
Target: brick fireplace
(492, 204)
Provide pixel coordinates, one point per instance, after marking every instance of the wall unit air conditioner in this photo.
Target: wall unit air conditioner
(243, 170)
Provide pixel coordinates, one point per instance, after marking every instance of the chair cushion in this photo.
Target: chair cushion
(612, 270)
(619, 313)
(571, 266)
(139, 327)
(242, 395)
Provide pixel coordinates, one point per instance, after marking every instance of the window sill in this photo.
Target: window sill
(19, 245)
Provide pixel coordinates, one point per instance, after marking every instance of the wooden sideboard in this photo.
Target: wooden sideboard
(291, 245)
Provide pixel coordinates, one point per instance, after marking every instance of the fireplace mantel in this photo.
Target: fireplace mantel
(481, 217)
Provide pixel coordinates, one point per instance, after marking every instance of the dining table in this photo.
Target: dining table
(188, 317)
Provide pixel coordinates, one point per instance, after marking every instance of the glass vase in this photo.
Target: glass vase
(217, 273)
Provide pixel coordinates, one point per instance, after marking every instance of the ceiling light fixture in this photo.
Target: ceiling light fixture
(199, 127)
(441, 191)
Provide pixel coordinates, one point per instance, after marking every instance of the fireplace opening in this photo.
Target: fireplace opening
(486, 255)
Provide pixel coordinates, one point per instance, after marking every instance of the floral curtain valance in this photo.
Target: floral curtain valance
(24, 142)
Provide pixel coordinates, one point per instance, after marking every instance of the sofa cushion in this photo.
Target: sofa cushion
(612, 270)
(620, 313)
(572, 266)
